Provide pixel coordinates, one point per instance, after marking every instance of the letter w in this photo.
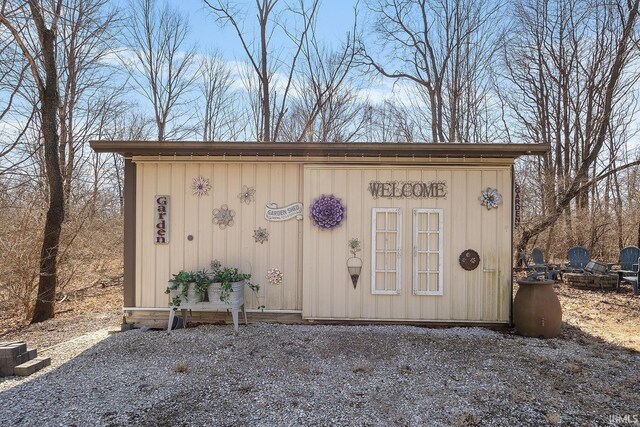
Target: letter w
(374, 188)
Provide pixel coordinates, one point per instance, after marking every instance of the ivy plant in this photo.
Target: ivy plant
(179, 282)
(228, 275)
(202, 279)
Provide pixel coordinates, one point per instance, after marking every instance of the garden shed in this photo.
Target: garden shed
(426, 228)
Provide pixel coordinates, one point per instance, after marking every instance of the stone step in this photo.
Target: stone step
(12, 350)
(31, 354)
(31, 366)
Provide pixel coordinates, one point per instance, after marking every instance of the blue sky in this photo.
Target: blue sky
(335, 19)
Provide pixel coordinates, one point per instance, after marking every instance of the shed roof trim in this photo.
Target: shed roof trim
(371, 149)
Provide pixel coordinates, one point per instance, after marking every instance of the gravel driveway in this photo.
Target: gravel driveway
(321, 375)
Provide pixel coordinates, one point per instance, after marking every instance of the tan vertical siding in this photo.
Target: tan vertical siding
(233, 246)
(313, 261)
(447, 301)
(481, 295)
(458, 242)
(177, 232)
(474, 211)
(163, 186)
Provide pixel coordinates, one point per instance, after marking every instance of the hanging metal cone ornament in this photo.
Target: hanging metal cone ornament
(354, 265)
(354, 280)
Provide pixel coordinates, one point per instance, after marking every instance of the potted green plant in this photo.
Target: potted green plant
(231, 280)
(202, 281)
(213, 291)
(178, 287)
(228, 286)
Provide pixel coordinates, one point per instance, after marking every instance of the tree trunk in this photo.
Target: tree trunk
(50, 100)
(264, 80)
(434, 116)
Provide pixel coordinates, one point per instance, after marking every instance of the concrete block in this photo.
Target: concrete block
(22, 347)
(6, 343)
(28, 368)
(9, 364)
(10, 351)
(6, 367)
(31, 354)
(46, 361)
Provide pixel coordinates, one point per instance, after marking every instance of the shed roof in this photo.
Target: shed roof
(321, 149)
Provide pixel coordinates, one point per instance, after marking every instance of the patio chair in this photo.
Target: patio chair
(578, 258)
(540, 265)
(538, 257)
(628, 271)
(634, 278)
(628, 257)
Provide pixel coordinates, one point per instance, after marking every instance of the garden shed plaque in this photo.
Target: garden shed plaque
(273, 213)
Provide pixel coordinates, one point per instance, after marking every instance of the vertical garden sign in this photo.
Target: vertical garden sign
(161, 222)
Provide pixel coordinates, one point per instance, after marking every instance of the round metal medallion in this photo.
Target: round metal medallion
(469, 259)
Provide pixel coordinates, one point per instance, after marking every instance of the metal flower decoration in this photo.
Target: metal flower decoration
(215, 264)
(327, 212)
(354, 246)
(275, 276)
(200, 186)
(261, 235)
(490, 198)
(223, 216)
(247, 195)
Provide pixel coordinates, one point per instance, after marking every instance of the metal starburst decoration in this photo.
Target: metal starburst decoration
(247, 195)
(275, 276)
(261, 235)
(200, 186)
(223, 216)
(490, 198)
(354, 246)
(327, 212)
(215, 264)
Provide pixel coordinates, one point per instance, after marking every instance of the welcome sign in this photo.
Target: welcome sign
(408, 189)
(273, 213)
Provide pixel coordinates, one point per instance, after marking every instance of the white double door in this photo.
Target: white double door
(388, 252)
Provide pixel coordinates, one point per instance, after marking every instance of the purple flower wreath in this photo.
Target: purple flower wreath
(327, 212)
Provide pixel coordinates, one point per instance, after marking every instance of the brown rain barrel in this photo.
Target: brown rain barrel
(536, 309)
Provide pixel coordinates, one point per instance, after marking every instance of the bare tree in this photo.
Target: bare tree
(221, 116)
(263, 61)
(445, 48)
(162, 68)
(41, 56)
(108, 170)
(391, 121)
(13, 75)
(568, 65)
(325, 104)
(87, 87)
